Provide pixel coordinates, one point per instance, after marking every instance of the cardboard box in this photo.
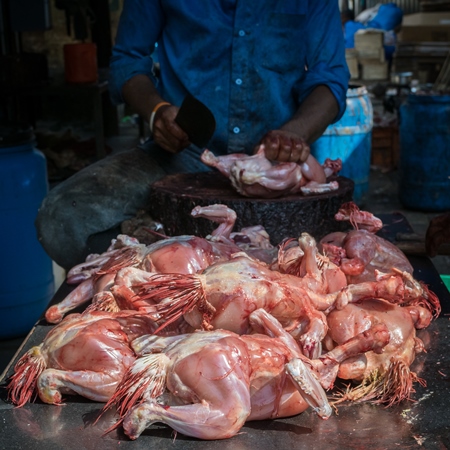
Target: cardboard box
(372, 53)
(351, 56)
(425, 27)
(369, 38)
(370, 44)
(374, 70)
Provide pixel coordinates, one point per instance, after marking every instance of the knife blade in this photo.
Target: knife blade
(197, 120)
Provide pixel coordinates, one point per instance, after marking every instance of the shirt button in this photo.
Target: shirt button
(241, 33)
(236, 130)
(238, 81)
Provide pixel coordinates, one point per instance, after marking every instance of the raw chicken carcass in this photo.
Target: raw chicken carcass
(85, 354)
(362, 255)
(384, 377)
(124, 296)
(252, 240)
(208, 384)
(256, 176)
(360, 252)
(124, 250)
(183, 254)
(255, 242)
(301, 257)
(224, 295)
(96, 275)
(179, 254)
(85, 291)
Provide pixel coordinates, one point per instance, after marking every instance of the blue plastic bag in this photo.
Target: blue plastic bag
(350, 28)
(388, 18)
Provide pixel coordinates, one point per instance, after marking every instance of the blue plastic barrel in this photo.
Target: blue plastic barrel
(351, 140)
(26, 274)
(424, 165)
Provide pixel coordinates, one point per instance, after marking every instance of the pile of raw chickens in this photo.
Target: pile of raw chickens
(204, 334)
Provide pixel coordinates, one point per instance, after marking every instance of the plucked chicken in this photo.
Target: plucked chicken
(208, 384)
(256, 176)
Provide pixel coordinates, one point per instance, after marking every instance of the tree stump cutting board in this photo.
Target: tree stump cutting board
(173, 197)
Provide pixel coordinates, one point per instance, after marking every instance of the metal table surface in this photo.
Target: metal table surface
(422, 423)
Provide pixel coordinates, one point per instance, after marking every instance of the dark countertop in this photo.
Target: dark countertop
(421, 423)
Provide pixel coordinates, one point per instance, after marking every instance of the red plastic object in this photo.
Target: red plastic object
(80, 63)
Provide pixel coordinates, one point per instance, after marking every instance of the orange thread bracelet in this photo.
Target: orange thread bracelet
(152, 116)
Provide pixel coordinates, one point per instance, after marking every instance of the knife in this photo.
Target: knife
(197, 120)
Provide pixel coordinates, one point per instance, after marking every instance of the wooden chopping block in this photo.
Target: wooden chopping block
(173, 198)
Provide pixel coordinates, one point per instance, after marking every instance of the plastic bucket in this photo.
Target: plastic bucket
(26, 275)
(351, 140)
(424, 165)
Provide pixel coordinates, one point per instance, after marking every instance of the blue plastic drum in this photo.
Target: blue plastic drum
(424, 165)
(351, 140)
(26, 275)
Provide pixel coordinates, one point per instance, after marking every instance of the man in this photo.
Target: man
(272, 72)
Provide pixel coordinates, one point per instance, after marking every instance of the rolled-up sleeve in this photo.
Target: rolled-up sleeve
(139, 29)
(325, 53)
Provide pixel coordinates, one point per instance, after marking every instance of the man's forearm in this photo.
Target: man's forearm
(140, 93)
(316, 112)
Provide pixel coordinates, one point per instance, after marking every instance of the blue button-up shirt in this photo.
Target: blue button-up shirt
(251, 62)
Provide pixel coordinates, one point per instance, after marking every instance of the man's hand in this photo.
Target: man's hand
(284, 146)
(438, 233)
(166, 132)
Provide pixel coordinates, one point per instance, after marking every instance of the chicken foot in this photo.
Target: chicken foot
(84, 292)
(96, 386)
(220, 214)
(199, 420)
